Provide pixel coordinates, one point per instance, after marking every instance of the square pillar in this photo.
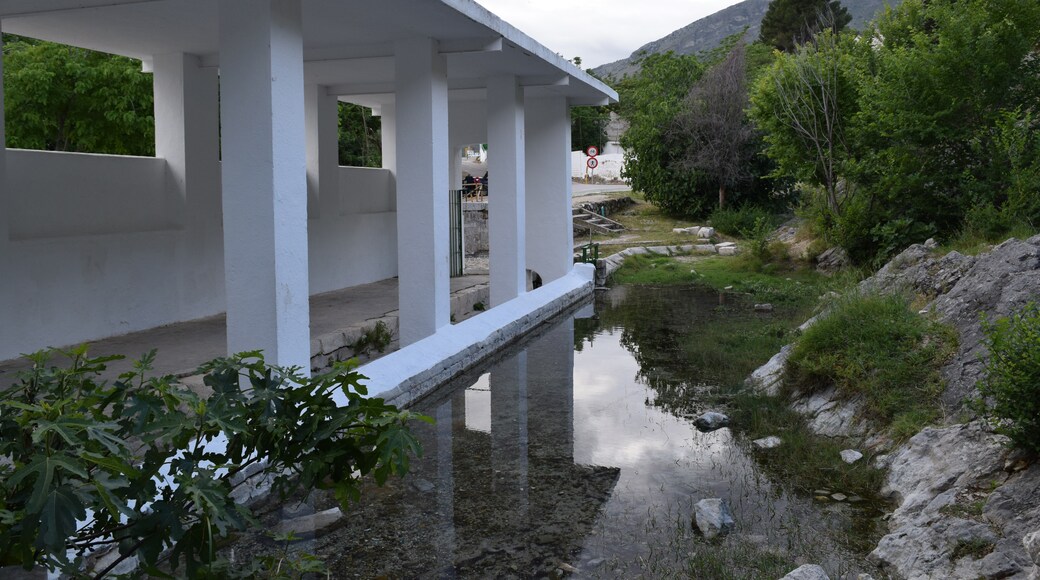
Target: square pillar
(421, 145)
(506, 175)
(321, 119)
(550, 229)
(264, 179)
(388, 142)
(509, 445)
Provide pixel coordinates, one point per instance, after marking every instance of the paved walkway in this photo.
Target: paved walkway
(183, 346)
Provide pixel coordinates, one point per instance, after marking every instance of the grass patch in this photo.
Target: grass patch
(971, 510)
(736, 561)
(654, 269)
(805, 460)
(776, 282)
(739, 221)
(977, 548)
(877, 348)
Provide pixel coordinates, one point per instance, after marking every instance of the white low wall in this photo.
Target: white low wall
(56, 194)
(403, 376)
(99, 247)
(610, 165)
(358, 245)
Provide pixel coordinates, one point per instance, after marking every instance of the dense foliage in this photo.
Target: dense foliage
(790, 23)
(360, 139)
(148, 466)
(1012, 383)
(62, 98)
(928, 124)
(669, 155)
(589, 127)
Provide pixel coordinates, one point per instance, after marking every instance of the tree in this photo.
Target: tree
(714, 126)
(360, 138)
(91, 465)
(945, 77)
(63, 98)
(805, 104)
(789, 23)
(589, 127)
(650, 101)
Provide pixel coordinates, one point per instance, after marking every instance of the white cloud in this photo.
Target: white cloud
(601, 31)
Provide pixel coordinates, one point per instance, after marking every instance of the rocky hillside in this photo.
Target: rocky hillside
(708, 32)
(965, 504)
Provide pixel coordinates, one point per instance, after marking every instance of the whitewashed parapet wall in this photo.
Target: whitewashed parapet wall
(100, 245)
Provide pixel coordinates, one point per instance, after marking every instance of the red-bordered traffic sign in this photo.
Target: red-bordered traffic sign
(592, 151)
(592, 163)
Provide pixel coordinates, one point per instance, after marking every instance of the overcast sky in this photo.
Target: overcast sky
(600, 31)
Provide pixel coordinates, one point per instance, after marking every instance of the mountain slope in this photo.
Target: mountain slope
(708, 32)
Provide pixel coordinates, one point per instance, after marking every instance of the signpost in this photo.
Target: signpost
(592, 163)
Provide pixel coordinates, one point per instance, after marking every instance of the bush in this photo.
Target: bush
(1012, 383)
(876, 347)
(94, 465)
(741, 220)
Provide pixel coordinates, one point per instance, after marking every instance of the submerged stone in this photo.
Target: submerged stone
(713, 517)
(711, 421)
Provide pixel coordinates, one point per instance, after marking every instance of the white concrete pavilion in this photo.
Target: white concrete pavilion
(244, 209)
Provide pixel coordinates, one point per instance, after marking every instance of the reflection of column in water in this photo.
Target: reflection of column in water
(509, 432)
(446, 481)
(551, 392)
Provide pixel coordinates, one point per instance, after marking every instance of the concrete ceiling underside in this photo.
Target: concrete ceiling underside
(348, 44)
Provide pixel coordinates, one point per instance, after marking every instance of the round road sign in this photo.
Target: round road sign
(592, 151)
(592, 163)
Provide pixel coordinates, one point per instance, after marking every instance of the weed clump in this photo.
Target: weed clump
(1012, 382)
(877, 348)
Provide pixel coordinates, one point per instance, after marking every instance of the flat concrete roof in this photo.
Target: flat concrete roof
(348, 44)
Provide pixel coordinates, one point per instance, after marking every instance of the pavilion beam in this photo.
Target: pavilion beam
(421, 144)
(264, 179)
(550, 231)
(506, 177)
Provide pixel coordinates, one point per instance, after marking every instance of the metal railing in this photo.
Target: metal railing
(456, 259)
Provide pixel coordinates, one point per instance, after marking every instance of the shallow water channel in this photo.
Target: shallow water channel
(554, 459)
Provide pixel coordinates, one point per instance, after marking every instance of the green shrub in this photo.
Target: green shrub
(876, 347)
(735, 222)
(132, 454)
(1012, 383)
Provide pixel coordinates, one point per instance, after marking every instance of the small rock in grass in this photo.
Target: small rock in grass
(822, 498)
(567, 568)
(807, 572)
(839, 496)
(821, 492)
(767, 442)
(763, 307)
(851, 456)
(310, 524)
(711, 421)
(713, 517)
(728, 288)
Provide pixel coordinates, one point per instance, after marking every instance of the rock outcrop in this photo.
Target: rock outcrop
(966, 505)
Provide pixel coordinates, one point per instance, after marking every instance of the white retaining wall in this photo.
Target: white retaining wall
(102, 245)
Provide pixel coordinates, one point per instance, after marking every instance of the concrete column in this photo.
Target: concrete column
(4, 191)
(550, 231)
(264, 179)
(321, 117)
(388, 135)
(506, 205)
(5, 204)
(455, 166)
(509, 429)
(422, 188)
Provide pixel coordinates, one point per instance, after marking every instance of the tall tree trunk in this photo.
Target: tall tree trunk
(722, 196)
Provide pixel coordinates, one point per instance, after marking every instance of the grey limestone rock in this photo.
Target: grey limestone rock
(711, 421)
(807, 572)
(713, 517)
(832, 260)
(770, 442)
(851, 456)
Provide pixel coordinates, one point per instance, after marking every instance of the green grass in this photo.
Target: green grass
(877, 348)
(805, 460)
(736, 561)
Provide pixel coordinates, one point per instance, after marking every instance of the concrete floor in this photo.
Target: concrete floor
(183, 346)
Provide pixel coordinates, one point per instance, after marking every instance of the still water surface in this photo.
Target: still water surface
(556, 459)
